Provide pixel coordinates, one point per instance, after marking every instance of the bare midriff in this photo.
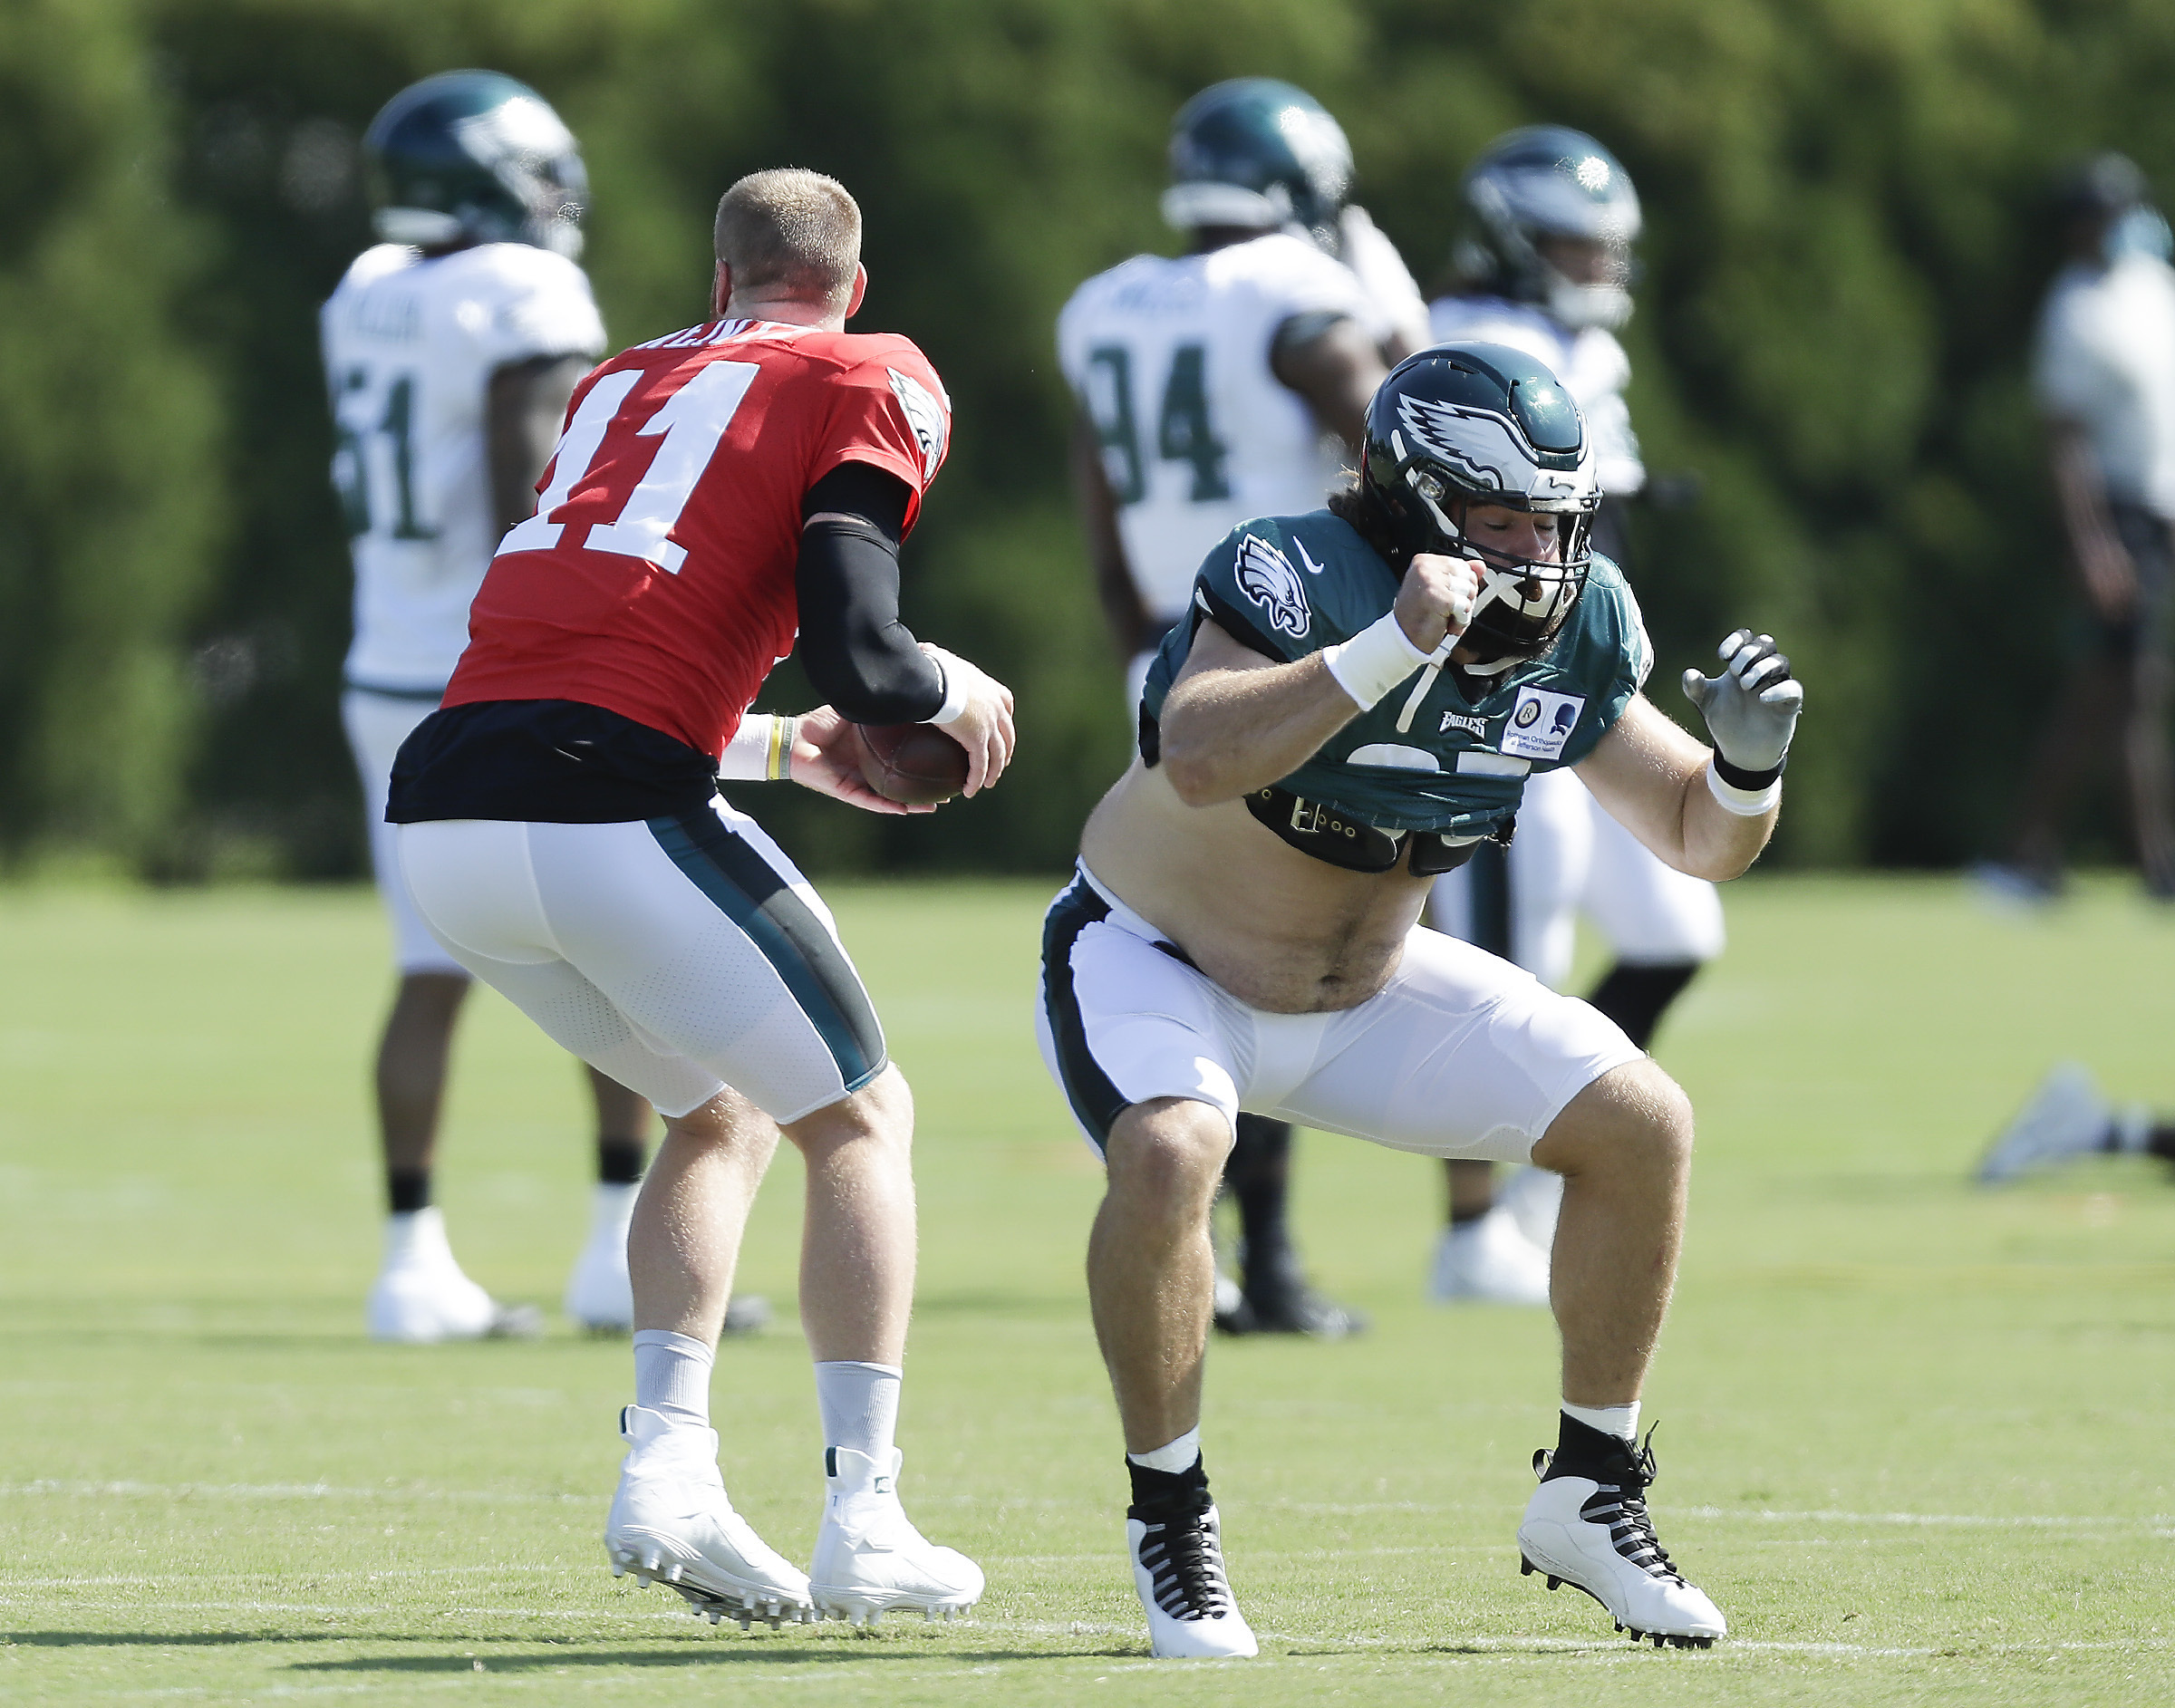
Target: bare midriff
(1278, 928)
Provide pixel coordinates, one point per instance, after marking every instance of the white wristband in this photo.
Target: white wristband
(1744, 803)
(958, 680)
(748, 754)
(1373, 661)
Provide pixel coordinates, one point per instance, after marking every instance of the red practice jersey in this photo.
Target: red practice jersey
(656, 578)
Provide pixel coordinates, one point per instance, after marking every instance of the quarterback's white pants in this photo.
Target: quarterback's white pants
(677, 954)
(1570, 857)
(376, 725)
(1461, 1055)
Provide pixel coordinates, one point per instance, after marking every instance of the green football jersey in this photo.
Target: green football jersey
(1289, 585)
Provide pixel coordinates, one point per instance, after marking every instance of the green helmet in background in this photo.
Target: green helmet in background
(1260, 155)
(474, 157)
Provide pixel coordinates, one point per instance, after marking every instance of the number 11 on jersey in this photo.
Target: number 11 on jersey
(691, 422)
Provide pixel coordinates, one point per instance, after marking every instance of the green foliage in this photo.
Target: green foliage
(1843, 265)
(106, 424)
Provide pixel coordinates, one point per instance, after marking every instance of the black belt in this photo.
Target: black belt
(1333, 836)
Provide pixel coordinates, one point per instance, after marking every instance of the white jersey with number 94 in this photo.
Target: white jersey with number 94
(410, 347)
(1169, 357)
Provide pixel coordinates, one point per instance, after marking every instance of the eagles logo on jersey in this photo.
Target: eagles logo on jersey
(1265, 576)
(925, 414)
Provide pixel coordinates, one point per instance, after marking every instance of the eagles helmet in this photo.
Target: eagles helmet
(2109, 191)
(474, 157)
(1547, 180)
(1258, 154)
(1456, 425)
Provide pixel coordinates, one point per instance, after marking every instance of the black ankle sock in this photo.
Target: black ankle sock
(2160, 1142)
(1466, 1218)
(1637, 996)
(1155, 1492)
(618, 1162)
(1258, 1175)
(1583, 1451)
(408, 1190)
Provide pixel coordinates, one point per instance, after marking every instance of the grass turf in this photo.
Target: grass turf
(1910, 1435)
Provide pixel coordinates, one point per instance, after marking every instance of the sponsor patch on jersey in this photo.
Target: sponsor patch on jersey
(1265, 576)
(926, 415)
(1541, 723)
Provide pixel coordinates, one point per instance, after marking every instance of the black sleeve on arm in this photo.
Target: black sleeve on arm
(858, 655)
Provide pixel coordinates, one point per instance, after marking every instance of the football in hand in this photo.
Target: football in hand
(917, 765)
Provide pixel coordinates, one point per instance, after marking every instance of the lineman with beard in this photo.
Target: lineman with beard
(1544, 267)
(1229, 382)
(450, 350)
(1353, 705)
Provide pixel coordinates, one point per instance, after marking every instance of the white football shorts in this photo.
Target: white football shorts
(1461, 1055)
(678, 955)
(376, 725)
(1570, 857)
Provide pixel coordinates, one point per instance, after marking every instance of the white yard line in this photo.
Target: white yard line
(277, 1491)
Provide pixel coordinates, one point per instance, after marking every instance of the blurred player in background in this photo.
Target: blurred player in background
(2068, 1118)
(1355, 702)
(451, 349)
(2104, 371)
(721, 497)
(1229, 382)
(1544, 266)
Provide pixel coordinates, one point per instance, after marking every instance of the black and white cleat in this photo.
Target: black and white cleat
(1592, 1531)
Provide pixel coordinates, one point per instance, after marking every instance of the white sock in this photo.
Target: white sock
(2133, 1127)
(1175, 1456)
(1620, 1420)
(416, 1237)
(671, 1376)
(860, 1406)
(610, 1206)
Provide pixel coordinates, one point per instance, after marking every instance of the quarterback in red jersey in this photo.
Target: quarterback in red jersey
(719, 498)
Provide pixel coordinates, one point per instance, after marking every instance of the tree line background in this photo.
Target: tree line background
(1845, 250)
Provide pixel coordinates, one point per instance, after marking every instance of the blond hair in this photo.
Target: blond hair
(790, 229)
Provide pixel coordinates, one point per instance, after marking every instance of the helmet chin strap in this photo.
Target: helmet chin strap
(1440, 657)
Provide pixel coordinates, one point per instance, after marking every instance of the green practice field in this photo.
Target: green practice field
(1915, 1437)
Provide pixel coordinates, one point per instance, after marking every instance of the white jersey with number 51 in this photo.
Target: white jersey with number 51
(410, 348)
(1169, 357)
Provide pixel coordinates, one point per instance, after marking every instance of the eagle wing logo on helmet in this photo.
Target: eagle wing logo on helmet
(1265, 576)
(523, 125)
(1484, 448)
(926, 415)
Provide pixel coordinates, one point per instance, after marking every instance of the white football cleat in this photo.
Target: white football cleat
(599, 1295)
(422, 1298)
(870, 1560)
(1595, 1535)
(1490, 1262)
(671, 1523)
(2066, 1117)
(1534, 1198)
(1178, 1569)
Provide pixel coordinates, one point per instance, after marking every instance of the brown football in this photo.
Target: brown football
(916, 763)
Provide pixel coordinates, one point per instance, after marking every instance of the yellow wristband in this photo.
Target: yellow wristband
(784, 733)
